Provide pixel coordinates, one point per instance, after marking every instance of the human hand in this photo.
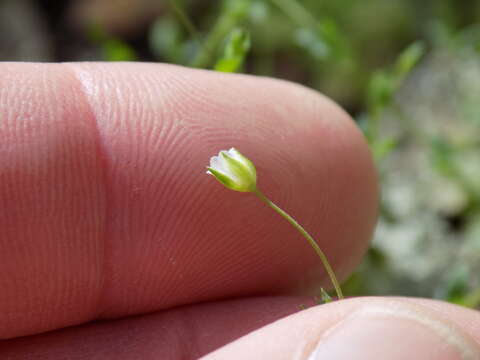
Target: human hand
(107, 214)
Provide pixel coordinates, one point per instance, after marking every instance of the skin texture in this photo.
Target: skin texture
(296, 336)
(109, 220)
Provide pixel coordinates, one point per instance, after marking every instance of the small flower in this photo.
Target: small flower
(238, 173)
(233, 170)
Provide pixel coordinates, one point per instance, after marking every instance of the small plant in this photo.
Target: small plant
(235, 52)
(238, 173)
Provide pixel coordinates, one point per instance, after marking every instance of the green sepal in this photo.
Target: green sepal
(241, 170)
(225, 180)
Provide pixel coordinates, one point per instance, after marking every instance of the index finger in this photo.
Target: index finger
(106, 209)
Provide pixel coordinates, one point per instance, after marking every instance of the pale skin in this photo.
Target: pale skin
(107, 214)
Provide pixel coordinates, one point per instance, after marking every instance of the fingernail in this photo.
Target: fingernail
(379, 333)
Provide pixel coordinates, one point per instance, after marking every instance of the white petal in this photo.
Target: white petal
(235, 154)
(216, 162)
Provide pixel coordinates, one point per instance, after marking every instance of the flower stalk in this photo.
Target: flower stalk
(238, 173)
(310, 239)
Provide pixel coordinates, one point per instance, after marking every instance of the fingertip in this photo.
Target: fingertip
(130, 142)
(362, 328)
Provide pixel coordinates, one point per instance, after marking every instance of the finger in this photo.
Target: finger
(192, 331)
(185, 333)
(365, 328)
(107, 211)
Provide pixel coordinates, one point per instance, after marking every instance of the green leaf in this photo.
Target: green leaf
(383, 85)
(380, 91)
(116, 50)
(407, 60)
(382, 148)
(236, 50)
(324, 296)
(113, 49)
(233, 13)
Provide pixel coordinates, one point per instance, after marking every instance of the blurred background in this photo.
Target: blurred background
(408, 71)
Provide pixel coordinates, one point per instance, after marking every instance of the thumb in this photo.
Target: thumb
(365, 328)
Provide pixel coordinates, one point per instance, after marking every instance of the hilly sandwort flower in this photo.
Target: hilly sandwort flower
(238, 173)
(233, 170)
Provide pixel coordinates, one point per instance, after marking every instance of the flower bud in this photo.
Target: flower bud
(233, 170)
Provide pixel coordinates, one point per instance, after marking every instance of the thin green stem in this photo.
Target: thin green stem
(307, 236)
(184, 19)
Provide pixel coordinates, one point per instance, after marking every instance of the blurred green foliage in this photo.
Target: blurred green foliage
(236, 49)
(112, 48)
(381, 89)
